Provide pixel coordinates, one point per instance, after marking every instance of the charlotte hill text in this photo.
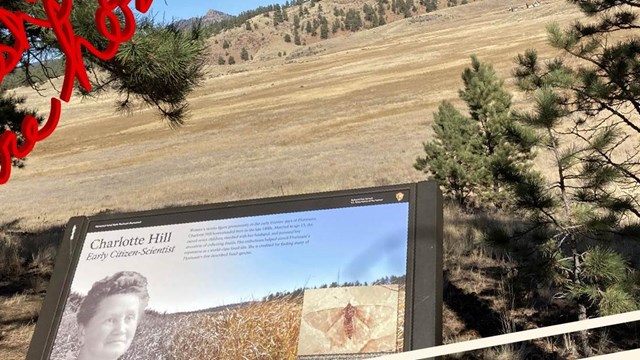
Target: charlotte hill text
(131, 246)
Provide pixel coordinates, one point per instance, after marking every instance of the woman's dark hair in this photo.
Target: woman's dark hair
(123, 282)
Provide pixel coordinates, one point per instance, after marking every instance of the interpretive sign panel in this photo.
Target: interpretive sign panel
(319, 276)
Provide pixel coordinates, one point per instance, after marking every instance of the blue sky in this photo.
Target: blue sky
(183, 9)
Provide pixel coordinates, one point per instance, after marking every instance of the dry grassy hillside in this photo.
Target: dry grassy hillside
(344, 113)
(353, 115)
(264, 37)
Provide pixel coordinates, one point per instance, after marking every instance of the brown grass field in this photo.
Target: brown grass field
(353, 115)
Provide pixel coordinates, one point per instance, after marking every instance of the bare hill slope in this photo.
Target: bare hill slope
(346, 112)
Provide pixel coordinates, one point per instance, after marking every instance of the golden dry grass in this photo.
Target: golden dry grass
(18, 315)
(262, 330)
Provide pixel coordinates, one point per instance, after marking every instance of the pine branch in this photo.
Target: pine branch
(617, 113)
(610, 161)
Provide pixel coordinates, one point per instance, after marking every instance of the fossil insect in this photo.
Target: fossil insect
(352, 328)
(349, 312)
(349, 320)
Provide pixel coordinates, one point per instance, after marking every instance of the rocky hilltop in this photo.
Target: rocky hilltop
(211, 17)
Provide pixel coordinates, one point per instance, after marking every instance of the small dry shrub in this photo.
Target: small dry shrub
(10, 261)
(28, 253)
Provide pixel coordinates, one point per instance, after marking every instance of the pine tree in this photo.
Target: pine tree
(336, 26)
(591, 276)
(369, 12)
(159, 66)
(502, 144)
(410, 8)
(231, 60)
(381, 13)
(324, 28)
(455, 157)
(431, 5)
(602, 92)
(296, 37)
(505, 142)
(296, 21)
(587, 103)
(13, 113)
(353, 21)
(244, 54)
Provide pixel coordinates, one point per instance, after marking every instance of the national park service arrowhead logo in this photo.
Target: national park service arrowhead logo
(400, 196)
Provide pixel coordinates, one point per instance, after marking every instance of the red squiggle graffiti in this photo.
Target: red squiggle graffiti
(58, 12)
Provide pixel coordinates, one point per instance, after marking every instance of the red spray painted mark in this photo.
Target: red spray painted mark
(57, 19)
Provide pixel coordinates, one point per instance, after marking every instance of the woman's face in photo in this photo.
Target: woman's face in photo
(111, 329)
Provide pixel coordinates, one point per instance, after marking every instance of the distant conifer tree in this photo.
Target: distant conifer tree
(324, 28)
(296, 37)
(244, 54)
(353, 21)
(432, 5)
(335, 26)
(296, 22)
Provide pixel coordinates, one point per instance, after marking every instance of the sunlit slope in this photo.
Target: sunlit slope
(353, 114)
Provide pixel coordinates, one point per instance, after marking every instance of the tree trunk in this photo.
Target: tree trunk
(583, 336)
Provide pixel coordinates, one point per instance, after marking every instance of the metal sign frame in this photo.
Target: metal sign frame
(423, 302)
